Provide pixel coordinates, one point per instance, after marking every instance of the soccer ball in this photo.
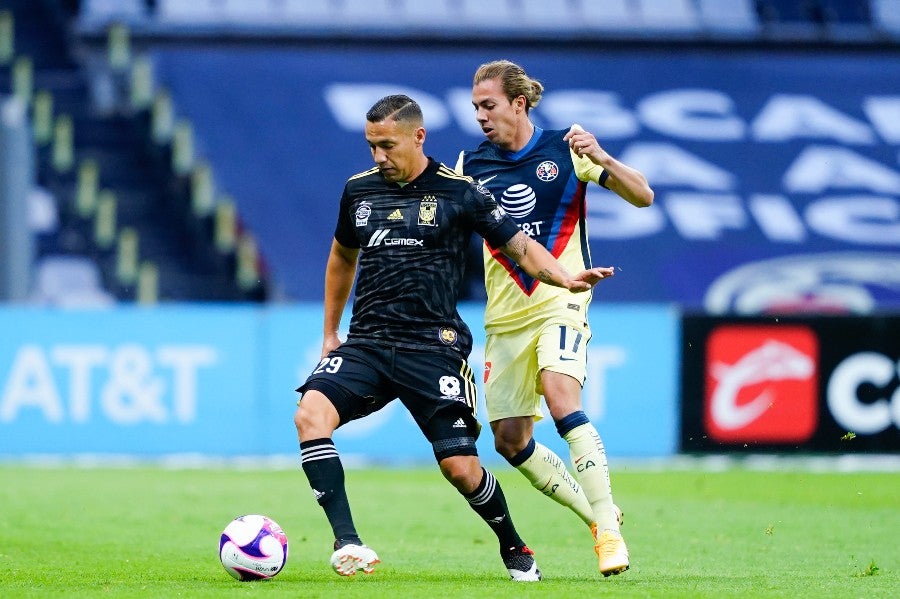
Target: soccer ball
(253, 547)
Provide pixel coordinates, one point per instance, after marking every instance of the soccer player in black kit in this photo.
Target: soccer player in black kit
(407, 223)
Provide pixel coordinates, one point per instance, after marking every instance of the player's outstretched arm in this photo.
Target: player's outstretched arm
(540, 264)
(626, 182)
(340, 272)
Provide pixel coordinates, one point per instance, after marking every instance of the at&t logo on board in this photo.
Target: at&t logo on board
(761, 384)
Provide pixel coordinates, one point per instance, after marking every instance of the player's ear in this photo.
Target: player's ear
(420, 136)
(520, 103)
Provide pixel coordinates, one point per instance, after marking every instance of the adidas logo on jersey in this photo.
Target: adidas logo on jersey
(395, 215)
(459, 423)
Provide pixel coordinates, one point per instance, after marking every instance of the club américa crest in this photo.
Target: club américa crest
(547, 171)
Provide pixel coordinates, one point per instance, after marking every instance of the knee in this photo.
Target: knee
(463, 472)
(315, 417)
(509, 438)
(302, 418)
(505, 446)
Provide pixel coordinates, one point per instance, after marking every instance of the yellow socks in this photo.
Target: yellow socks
(592, 471)
(548, 474)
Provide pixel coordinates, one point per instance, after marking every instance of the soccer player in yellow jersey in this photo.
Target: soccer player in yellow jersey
(537, 335)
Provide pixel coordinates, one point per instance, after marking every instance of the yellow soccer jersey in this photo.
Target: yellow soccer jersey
(542, 187)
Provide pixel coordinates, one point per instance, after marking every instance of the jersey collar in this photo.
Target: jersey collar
(433, 166)
(528, 147)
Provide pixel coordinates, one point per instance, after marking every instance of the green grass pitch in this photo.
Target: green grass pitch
(153, 532)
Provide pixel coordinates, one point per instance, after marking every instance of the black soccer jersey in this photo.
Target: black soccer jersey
(413, 241)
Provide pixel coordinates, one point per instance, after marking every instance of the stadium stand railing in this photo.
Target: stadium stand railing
(116, 189)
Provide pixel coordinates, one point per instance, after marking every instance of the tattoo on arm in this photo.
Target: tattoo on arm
(517, 247)
(545, 275)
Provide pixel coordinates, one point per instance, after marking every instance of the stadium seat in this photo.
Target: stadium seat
(785, 11)
(852, 12)
(169, 11)
(43, 219)
(214, 12)
(608, 15)
(667, 15)
(729, 16)
(431, 14)
(541, 14)
(69, 281)
(42, 117)
(369, 13)
(306, 12)
(103, 11)
(503, 15)
(7, 39)
(886, 16)
(817, 12)
(816, 19)
(43, 212)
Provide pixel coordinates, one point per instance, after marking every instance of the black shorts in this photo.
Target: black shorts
(435, 385)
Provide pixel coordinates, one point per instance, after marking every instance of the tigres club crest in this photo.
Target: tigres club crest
(428, 211)
(447, 336)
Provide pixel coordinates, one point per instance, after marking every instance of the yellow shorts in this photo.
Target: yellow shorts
(514, 360)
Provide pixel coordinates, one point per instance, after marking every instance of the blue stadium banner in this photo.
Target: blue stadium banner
(776, 173)
(827, 384)
(220, 381)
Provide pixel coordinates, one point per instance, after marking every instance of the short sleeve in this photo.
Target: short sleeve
(585, 169)
(460, 161)
(344, 231)
(491, 222)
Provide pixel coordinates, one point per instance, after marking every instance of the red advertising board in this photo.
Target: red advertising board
(820, 383)
(760, 384)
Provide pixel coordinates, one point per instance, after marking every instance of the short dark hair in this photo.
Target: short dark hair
(397, 107)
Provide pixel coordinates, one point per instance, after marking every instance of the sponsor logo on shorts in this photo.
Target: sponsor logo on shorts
(487, 371)
(449, 387)
(447, 336)
(761, 384)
